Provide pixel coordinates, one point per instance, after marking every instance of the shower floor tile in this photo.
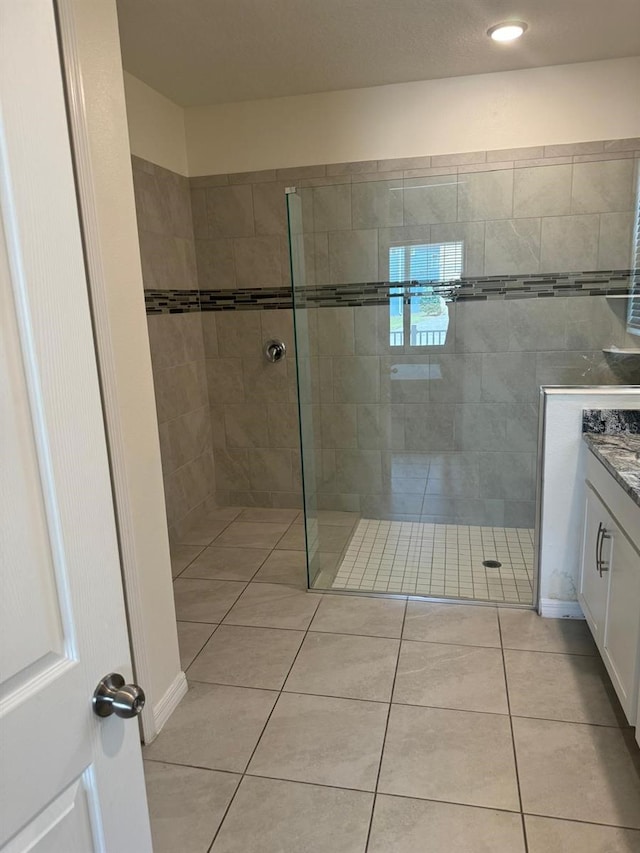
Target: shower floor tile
(442, 560)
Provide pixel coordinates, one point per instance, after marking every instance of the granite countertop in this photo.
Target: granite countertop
(620, 455)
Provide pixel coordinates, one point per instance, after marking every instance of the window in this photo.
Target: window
(424, 319)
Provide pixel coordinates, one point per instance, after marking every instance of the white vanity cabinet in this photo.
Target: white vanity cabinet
(609, 592)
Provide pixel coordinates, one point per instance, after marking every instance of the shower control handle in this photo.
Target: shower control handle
(275, 350)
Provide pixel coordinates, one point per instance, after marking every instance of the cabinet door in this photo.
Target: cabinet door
(594, 584)
(622, 628)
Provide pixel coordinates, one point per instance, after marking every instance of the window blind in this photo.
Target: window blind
(633, 318)
(426, 262)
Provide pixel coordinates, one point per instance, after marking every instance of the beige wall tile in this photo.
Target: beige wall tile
(377, 204)
(215, 264)
(542, 191)
(602, 187)
(512, 246)
(569, 243)
(230, 211)
(258, 261)
(485, 195)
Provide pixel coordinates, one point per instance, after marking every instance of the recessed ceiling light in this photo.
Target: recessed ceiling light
(507, 31)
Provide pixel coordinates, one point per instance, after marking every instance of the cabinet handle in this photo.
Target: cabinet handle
(602, 535)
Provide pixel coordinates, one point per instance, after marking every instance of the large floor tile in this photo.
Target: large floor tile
(579, 772)
(344, 665)
(405, 825)
(545, 835)
(271, 816)
(186, 805)
(214, 726)
(181, 556)
(347, 614)
(203, 600)
(284, 567)
(460, 624)
(333, 538)
(455, 756)
(277, 516)
(268, 605)
(244, 534)
(322, 740)
(469, 678)
(247, 657)
(573, 688)
(232, 564)
(204, 531)
(524, 629)
(192, 636)
(335, 517)
(294, 539)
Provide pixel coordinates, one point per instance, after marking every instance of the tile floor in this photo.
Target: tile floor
(343, 724)
(439, 560)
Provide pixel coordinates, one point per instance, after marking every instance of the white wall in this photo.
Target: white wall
(563, 466)
(156, 126)
(109, 217)
(541, 106)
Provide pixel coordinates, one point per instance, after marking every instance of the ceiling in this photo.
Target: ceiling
(199, 52)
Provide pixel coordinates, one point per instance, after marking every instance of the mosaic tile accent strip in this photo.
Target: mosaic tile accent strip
(611, 421)
(171, 301)
(607, 283)
(439, 560)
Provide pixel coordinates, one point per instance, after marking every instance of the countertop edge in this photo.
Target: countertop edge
(593, 442)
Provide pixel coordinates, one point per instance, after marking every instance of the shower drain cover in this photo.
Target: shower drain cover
(491, 564)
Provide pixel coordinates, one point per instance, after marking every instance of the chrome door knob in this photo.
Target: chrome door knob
(113, 696)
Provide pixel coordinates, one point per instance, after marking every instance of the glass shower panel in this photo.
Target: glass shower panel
(429, 311)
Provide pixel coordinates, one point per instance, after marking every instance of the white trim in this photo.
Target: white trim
(552, 608)
(104, 350)
(169, 702)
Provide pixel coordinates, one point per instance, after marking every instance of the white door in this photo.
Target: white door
(70, 781)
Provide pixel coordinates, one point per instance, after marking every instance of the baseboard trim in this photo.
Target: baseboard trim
(169, 702)
(552, 608)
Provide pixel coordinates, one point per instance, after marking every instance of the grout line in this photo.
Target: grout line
(264, 727)
(395, 796)
(513, 741)
(386, 728)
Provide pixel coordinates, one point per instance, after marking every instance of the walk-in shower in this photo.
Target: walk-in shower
(429, 310)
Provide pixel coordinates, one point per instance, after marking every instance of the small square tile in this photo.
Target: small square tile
(405, 825)
(204, 600)
(267, 605)
(525, 630)
(577, 772)
(573, 688)
(322, 740)
(455, 756)
(375, 617)
(247, 657)
(345, 665)
(546, 834)
(186, 805)
(467, 678)
(234, 564)
(289, 817)
(213, 726)
(243, 534)
(460, 624)
(192, 637)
